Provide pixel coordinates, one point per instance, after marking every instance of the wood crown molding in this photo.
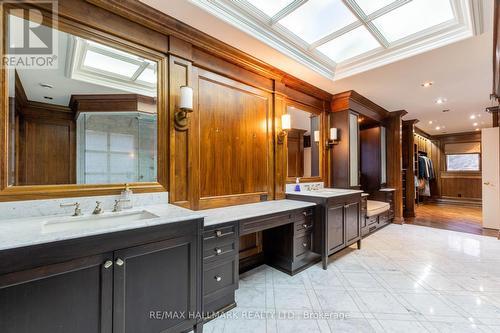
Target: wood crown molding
(161, 22)
(112, 102)
(351, 100)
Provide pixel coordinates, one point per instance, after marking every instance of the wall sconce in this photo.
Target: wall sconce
(316, 136)
(185, 106)
(333, 139)
(286, 125)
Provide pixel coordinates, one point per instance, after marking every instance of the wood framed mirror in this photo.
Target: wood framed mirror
(305, 143)
(88, 125)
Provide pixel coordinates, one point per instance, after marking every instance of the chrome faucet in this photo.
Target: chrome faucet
(117, 207)
(77, 212)
(98, 209)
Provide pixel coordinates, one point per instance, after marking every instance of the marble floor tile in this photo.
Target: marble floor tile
(405, 279)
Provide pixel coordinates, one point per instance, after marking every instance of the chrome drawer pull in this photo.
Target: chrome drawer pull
(108, 264)
(218, 233)
(217, 278)
(119, 262)
(218, 251)
(304, 213)
(304, 244)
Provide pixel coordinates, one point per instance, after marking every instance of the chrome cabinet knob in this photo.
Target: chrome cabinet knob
(108, 264)
(304, 244)
(218, 233)
(304, 213)
(119, 262)
(218, 251)
(217, 278)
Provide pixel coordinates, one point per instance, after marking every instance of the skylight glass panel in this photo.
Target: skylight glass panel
(148, 75)
(270, 7)
(317, 18)
(350, 44)
(109, 64)
(413, 17)
(371, 6)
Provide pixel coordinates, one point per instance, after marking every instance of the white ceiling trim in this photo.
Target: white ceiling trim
(468, 22)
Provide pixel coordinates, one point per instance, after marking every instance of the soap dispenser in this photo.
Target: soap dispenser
(297, 185)
(126, 197)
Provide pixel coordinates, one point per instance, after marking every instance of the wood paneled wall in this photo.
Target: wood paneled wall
(457, 185)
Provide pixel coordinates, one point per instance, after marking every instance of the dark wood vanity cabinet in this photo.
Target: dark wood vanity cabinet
(220, 268)
(343, 222)
(292, 247)
(338, 222)
(75, 296)
(145, 281)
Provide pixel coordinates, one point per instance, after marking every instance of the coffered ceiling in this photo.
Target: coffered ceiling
(339, 38)
(456, 55)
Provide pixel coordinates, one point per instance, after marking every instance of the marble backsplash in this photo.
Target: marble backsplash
(291, 187)
(34, 208)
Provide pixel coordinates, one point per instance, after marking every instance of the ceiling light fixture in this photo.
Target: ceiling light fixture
(440, 100)
(477, 129)
(430, 122)
(438, 128)
(473, 116)
(475, 124)
(427, 84)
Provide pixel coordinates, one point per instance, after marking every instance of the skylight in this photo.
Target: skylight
(103, 65)
(413, 17)
(350, 44)
(270, 7)
(333, 35)
(303, 21)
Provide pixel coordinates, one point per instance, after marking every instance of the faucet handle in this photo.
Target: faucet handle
(77, 212)
(98, 209)
(116, 207)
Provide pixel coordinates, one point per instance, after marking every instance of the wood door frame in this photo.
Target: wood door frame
(15, 193)
(323, 134)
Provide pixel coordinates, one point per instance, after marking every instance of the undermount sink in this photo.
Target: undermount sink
(91, 221)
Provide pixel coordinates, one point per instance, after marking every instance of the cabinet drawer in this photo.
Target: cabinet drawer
(218, 277)
(303, 215)
(212, 234)
(253, 225)
(371, 220)
(220, 250)
(304, 226)
(303, 245)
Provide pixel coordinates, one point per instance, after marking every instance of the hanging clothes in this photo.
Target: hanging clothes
(425, 174)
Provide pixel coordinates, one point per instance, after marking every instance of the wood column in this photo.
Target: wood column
(408, 127)
(395, 161)
(280, 157)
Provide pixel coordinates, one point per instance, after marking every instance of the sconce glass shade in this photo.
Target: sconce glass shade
(316, 136)
(334, 134)
(186, 100)
(286, 122)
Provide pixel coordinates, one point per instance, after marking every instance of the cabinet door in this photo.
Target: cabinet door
(74, 296)
(336, 234)
(352, 221)
(155, 287)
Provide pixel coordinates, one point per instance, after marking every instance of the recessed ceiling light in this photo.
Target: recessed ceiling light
(430, 122)
(475, 124)
(477, 129)
(440, 100)
(427, 84)
(46, 85)
(438, 128)
(473, 116)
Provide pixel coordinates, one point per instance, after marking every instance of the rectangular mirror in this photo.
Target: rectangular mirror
(303, 143)
(91, 120)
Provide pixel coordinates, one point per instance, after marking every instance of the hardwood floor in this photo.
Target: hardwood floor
(451, 217)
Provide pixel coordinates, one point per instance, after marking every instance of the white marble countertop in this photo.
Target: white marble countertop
(240, 212)
(325, 192)
(30, 231)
